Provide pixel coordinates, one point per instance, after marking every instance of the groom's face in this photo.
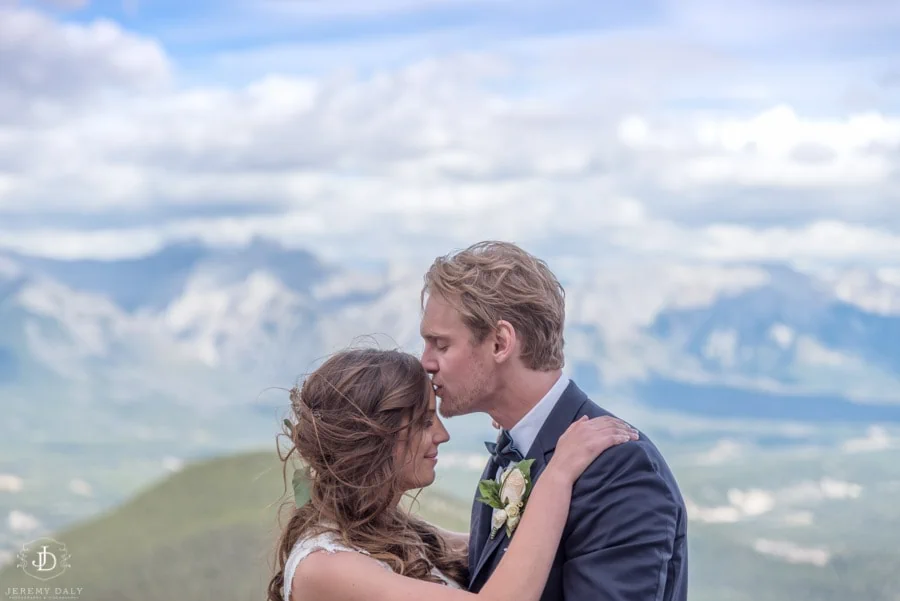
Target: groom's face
(460, 367)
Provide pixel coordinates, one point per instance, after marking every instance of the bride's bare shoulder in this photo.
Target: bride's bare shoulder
(325, 574)
(350, 576)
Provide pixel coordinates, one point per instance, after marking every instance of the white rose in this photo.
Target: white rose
(498, 519)
(513, 488)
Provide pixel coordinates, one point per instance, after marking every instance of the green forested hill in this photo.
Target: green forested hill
(206, 533)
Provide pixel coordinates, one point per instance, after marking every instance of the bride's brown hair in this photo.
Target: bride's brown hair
(346, 420)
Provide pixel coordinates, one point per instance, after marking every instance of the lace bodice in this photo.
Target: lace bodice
(328, 541)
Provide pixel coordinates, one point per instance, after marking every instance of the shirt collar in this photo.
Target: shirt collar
(526, 430)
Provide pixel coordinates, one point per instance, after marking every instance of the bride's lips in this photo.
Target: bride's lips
(432, 457)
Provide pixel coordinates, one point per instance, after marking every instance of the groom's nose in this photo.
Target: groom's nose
(429, 362)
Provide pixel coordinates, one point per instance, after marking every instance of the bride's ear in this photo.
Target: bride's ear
(504, 341)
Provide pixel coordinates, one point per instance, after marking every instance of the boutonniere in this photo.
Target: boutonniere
(508, 496)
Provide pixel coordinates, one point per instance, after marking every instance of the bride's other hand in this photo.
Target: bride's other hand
(585, 440)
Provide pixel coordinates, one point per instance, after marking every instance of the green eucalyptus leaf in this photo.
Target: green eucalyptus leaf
(488, 487)
(490, 493)
(490, 502)
(524, 466)
(299, 484)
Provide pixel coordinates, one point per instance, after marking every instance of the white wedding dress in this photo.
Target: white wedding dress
(328, 541)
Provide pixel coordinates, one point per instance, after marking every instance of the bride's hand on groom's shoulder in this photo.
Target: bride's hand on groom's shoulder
(585, 440)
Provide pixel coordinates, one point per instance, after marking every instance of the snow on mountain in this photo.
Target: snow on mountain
(621, 299)
(233, 324)
(69, 330)
(386, 313)
(264, 316)
(875, 291)
(794, 334)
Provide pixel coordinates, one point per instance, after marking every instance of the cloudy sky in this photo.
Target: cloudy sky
(739, 131)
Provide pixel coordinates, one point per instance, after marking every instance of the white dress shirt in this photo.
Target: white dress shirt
(526, 430)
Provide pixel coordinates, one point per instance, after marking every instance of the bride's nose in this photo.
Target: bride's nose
(440, 433)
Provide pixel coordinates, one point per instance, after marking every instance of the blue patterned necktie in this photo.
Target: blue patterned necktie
(504, 451)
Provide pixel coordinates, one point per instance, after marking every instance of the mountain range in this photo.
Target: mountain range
(252, 317)
(113, 373)
(203, 329)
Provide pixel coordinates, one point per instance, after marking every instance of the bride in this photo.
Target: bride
(365, 425)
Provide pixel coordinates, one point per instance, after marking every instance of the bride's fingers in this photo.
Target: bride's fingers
(596, 445)
(605, 426)
(614, 431)
(616, 423)
(616, 435)
(601, 424)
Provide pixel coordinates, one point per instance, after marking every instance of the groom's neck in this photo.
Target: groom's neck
(520, 394)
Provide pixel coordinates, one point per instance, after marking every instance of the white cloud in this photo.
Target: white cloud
(173, 464)
(822, 240)
(11, 483)
(811, 491)
(752, 502)
(448, 152)
(721, 346)
(758, 22)
(876, 439)
(46, 64)
(81, 488)
(774, 148)
(67, 4)
(792, 552)
(357, 8)
(810, 352)
(724, 451)
(19, 521)
(713, 515)
(742, 505)
(782, 335)
(875, 291)
(799, 518)
(790, 503)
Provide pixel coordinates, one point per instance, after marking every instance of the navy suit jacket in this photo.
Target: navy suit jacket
(625, 538)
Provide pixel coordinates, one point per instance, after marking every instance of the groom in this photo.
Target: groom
(493, 329)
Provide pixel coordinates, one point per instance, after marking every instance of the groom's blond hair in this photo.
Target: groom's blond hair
(492, 281)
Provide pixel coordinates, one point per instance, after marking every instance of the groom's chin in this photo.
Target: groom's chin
(447, 411)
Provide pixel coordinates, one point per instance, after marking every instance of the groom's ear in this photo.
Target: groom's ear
(504, 346)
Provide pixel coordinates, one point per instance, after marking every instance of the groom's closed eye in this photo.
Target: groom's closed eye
(438, 342)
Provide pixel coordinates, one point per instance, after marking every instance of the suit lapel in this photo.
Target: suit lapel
(480, 520)
(562, 415)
